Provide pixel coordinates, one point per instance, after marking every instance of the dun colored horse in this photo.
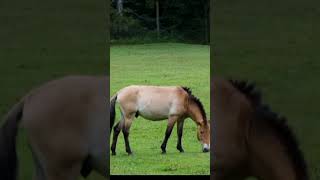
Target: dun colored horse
(249, 139)
(159, 103)
(66, 123)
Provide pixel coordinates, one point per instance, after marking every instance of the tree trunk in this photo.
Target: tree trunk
(157, 18)
(120, 6)
(206, 22)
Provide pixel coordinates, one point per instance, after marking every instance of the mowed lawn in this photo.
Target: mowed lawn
(161, 64)
(274, 45)
(44, 40)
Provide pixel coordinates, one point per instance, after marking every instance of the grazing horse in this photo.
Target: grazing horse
(159, 103)
(249, 139)
(66, 124)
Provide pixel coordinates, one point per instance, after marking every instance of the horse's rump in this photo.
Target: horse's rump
(66, 123)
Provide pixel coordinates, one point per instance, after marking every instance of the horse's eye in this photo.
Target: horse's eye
(201, 132)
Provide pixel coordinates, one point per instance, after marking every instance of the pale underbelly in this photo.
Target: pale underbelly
(155, 110)
(153, 116)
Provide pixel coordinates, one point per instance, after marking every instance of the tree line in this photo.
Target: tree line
(160, 20)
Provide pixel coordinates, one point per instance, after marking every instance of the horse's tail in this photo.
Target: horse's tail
(113, 110)
(8, 133)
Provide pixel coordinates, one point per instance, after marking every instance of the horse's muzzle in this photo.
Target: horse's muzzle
(206, 148)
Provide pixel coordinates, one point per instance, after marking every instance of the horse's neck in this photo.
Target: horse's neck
(267, 154)
(194, 113)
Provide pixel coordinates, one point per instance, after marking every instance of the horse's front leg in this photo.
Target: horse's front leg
(125, 131)
(171, 121)
(180, 132)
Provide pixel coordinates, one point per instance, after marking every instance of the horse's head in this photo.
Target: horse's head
(203, 135)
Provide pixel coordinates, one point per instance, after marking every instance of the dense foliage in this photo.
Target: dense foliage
(179, 20)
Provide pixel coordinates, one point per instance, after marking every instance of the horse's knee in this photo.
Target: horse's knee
(116, 129)
(125, 132)
(168, 131)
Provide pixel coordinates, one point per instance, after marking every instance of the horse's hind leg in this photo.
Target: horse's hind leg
(125, 130)
(171, 121)
(116, 130)
(180, 132)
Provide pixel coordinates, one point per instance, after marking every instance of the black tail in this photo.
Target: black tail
(8, 133)
(112, 111)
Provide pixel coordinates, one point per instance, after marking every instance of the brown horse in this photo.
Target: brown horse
(66, 123)
(159, 103)
(250, 140)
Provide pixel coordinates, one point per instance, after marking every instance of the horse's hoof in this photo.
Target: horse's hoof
(163, 149)
(114, 153)
(205, 150)
(180, 149)
(163, 152)
(130, 153)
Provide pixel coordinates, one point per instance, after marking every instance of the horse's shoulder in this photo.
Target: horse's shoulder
(181, 92)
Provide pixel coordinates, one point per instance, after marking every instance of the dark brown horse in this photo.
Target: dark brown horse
(67, 127)
(249, 139)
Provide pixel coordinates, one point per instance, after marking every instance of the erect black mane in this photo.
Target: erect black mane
(197, 101)
(279, 124)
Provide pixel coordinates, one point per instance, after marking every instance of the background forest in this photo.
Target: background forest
(144, 21)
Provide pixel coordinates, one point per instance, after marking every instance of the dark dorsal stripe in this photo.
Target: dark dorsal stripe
(197, 102)
(279, 124)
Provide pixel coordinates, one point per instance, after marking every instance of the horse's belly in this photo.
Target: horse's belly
(154, 106)
(153, 114)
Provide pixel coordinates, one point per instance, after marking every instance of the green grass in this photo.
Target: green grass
(161, 64)
(273, 43)
(43, 40)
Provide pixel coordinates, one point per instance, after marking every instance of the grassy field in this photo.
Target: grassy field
(43, 40)
(274, 44)
(161, 64)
